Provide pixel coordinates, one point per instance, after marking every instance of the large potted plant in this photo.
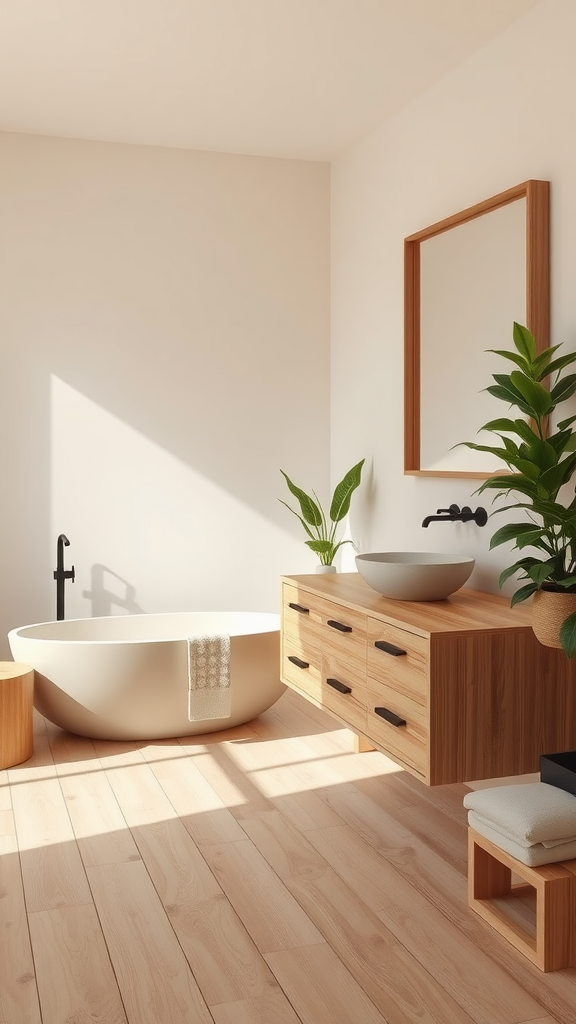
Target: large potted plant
(322, 528)
(540, 461)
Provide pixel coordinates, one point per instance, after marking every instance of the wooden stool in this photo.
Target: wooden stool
(16, 696)
(490, 888)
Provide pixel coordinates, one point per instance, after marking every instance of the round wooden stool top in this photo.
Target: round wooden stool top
(16, 701)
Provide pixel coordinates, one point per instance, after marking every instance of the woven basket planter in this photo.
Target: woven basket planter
(548, 613)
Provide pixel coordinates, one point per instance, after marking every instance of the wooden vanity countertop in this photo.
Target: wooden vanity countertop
(465, 611)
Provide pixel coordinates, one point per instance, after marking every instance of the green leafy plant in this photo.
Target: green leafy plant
(322, 528)
(540, 463)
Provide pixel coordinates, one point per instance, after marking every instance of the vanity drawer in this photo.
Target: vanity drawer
(400, 660)
(302, 667)
(408, 741)
(343, 632)
(344, 692)
(300, 615)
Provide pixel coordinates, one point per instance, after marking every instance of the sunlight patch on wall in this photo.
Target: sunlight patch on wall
(147, 532)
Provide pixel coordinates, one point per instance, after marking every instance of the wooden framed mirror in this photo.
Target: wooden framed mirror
(466, 279)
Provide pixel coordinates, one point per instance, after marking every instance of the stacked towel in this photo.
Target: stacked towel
(535, 823)
(208, 677)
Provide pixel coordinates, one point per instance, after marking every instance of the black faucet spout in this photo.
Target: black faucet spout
(455, 514)
(437, 519)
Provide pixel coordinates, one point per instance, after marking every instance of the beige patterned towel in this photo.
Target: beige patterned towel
(208, 677)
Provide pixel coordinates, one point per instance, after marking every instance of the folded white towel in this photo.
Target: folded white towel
(518, 841)
(528, 813)
(534, 856)
(209, 677)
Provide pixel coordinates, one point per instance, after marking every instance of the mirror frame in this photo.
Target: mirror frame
(537, 195)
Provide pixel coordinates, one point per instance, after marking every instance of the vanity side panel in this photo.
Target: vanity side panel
(497, 701)
(555, 677)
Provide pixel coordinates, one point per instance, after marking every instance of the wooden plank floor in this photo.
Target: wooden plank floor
(264, 875)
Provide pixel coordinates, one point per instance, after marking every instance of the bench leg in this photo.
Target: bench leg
(490, 877)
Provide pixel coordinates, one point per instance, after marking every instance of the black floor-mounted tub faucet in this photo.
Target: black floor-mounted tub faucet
(61, 574)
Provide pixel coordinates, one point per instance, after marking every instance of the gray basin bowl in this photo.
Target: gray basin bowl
(414, 575)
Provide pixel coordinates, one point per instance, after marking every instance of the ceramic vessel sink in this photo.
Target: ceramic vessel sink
(414, 575)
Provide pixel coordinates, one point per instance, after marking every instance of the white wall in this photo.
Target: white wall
(164, 318)
(504, 116)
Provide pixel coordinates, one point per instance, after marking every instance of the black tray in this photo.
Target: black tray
(559, 770)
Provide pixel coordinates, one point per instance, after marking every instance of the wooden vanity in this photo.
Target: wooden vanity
(452, 690)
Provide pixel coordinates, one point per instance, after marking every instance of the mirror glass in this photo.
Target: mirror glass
(467, 279)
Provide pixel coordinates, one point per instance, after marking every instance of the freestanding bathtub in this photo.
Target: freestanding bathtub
(125, 677)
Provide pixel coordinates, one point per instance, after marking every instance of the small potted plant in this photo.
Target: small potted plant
(321, 528)
(540, 463)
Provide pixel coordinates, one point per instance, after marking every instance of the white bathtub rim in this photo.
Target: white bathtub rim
(259, 623)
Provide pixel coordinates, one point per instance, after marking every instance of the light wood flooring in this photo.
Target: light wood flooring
(265, 875)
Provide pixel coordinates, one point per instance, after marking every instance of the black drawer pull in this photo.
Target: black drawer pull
(337, 685)
(298, 661)
(382, 645)
(390, 716)
(299, 608)
(340, 626)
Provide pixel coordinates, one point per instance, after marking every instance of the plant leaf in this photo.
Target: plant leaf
(560, 363)
(553, 479)
(510, 482)
(511, 531)
(541, 364)
(527, 467)
(535, 394)
(343, 492)
(564, 389)
(524, 342)
(523, 564)
(504, 423)
(500, 453)
(321, 547)
(559, 441)
(540, 572)
(566, 423)
(523, 594)
(568, 635)
(310, 511)
(339, 545)
(526, 432)
(505, 395)
(305, 525)
(513, 356)
(534, 539)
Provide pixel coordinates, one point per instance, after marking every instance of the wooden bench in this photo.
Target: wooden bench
(16, 699)
(551, 943)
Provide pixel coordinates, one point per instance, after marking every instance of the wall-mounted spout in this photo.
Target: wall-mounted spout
(61, 574)
(455, 514)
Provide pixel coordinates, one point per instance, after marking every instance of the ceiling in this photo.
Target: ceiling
(283, 78)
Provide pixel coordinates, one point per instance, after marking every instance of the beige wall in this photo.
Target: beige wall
(164, 318)
(504, 116)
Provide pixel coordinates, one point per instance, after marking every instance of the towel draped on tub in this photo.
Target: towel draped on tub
(208, 677)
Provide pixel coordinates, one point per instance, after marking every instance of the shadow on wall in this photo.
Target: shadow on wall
(109, 591)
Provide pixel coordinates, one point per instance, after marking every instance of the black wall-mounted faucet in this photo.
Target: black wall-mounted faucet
(61, 574)
(455, 514)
